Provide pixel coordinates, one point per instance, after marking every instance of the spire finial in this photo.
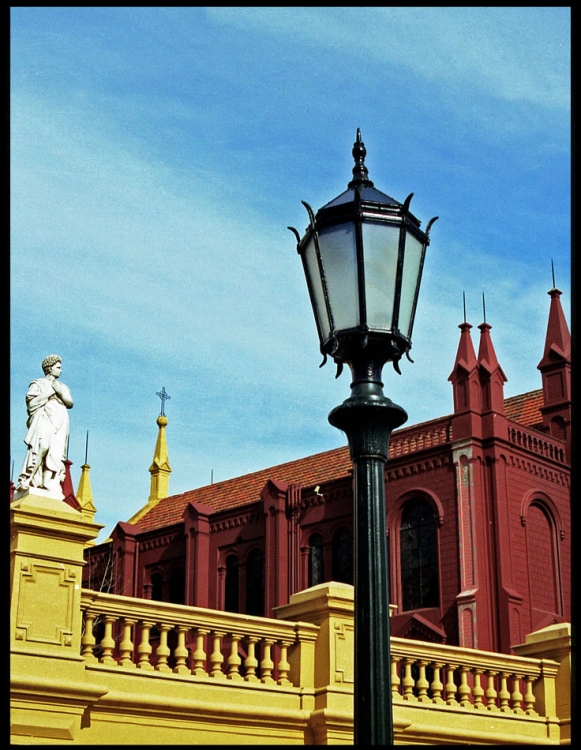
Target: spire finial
(483, 307)
(360, 174)
(164, 397)
(464, 304)
(87, 447)
(553, 274)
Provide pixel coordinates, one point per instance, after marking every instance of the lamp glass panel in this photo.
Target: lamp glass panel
(316, 286)
(380, 248)
(409, 283)
(339, 256)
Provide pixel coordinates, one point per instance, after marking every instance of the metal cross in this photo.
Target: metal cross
(164, 397)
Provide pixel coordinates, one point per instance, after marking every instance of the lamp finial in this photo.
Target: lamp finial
(360, 174)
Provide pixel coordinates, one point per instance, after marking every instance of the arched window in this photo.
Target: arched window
(255, 583)
(542, 563)
(342, 556)
(419, 556)
(157, 587)
(316, 563)
(177, 586)
(231, 597)
(558, 429)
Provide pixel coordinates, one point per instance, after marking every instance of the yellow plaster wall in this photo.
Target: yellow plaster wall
(59, 697)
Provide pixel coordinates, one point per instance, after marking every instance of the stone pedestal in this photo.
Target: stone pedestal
(47, 539)
(330, 606)
(554, 642)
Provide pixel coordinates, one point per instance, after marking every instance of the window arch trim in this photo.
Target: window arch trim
(537, 497)
(394, 516)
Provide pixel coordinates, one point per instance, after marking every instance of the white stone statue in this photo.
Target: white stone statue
(47, 403)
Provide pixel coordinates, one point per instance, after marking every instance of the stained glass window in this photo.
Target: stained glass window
(342, 556)
(255, 583)
(316, 562)
(232, 583)
(419, 556)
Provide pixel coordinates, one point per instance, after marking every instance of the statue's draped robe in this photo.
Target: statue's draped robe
(48, 429)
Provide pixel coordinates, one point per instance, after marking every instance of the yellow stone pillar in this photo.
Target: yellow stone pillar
(330, 606)
(49, 691)
(553, 642)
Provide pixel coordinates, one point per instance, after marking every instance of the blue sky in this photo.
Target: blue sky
(158, 156)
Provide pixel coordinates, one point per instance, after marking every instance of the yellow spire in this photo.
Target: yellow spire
(160, 471)
(160, 468)
(85, 497)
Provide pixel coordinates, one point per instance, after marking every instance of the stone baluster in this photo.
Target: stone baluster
(199, 655)
(144, 649)
(126, 645)
(162, 651)
(234, 661)
(395, 681)
(181, 652)
(108, 642)
(437, 686)
(450, 686)
(266, 664)
(408, 681)
(477, 690)
(422, 684)
(88, 639)
(463, 688)
(516, 695)
(251, 662)
(491, 693)
(216, 657)
(529, 696)
(283, 665)
(503, 694)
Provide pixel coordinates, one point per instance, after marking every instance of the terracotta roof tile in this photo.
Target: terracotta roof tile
(308, 472)
(246, 489)
(525, 408)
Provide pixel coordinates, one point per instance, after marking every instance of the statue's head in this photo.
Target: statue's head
(49, 362)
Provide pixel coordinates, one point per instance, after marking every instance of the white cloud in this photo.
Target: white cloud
(497, 50)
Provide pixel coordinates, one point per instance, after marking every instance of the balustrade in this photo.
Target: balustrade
(207, 643)
(539, 444)
(425, 437)
(155, 636)
(418, 671)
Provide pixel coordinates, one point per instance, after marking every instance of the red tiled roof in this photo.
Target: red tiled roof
(309, 471)
(233, 493)
(525, 409)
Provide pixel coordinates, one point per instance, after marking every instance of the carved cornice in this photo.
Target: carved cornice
(417, 467)
(234, 522)
(163, 540)
(533, 467)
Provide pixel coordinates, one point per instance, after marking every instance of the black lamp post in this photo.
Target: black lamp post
(363, 255)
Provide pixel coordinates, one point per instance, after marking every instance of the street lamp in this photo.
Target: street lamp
(363, 255)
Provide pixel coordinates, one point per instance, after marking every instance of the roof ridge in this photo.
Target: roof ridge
(308, 470)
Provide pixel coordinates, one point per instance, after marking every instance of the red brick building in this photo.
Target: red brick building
(478, 516)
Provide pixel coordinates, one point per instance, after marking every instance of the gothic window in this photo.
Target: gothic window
(231, 597)
(342, 556)
(255, 583)
(177, 586)
(157, 587)
(419, 556)
(542, 558)
(316, 563)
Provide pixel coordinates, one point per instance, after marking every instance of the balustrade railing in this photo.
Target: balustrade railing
(425, 436)
(156, 636)
(537, 443)
(469, 679)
